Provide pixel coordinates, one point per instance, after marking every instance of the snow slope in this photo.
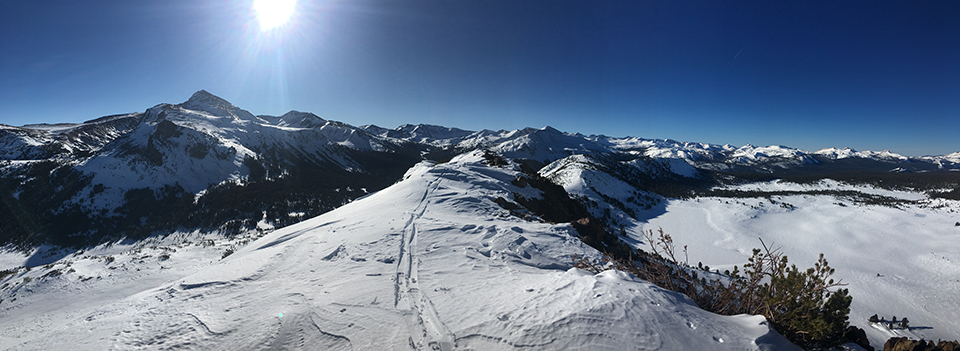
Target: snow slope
(901, 260)
(429, 263)
(897, 261)
(207, 141)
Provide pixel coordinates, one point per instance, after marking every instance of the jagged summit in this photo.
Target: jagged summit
(204, 97)
(204, 101)
(550, 129)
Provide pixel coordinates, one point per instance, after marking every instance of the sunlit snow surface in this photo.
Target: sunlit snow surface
(429, 263)
(898, 260)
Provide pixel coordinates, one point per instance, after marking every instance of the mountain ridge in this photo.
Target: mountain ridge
(372, 204)
(125, 165)
(441, 135)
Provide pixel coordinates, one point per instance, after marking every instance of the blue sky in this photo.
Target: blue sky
(871, 74)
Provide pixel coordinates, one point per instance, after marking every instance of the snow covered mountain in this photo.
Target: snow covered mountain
(207, 164)
(200, 225)
(41, 141)
(548, 144)
(207, 141)
(443, 267)
(204, 163)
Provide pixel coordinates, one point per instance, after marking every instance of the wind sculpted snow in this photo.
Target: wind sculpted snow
(431, 263)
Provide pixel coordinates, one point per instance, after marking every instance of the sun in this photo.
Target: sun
(273, 13)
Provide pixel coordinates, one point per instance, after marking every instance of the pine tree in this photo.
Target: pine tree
(874, 319)
(798, 303)
(905, 323)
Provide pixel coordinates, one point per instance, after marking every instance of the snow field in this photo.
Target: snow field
(897, 262)
(429, 263)
(63, 284)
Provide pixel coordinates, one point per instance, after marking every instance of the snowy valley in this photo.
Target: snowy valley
(202, 226)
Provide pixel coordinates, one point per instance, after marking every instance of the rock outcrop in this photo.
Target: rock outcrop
(904, 344)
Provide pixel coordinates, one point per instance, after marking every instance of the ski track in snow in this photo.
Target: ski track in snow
(425, 325)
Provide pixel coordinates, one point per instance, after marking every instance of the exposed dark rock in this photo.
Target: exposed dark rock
(494, 159)
(167, 129)
(522, 183)
(857, 336)
(904, 344)
(949, 345)
(198, 151)
(506, 204)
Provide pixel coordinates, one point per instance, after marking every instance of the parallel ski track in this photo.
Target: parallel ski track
(426, 329)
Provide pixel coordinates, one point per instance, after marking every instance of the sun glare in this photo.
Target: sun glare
(273, 13)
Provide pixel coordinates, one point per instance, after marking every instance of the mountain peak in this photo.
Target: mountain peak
(550, 129)
(215, 105)
(204, 97)
(301, 120)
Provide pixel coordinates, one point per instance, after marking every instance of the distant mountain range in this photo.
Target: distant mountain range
(207, 165)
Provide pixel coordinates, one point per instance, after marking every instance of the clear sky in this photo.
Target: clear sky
(869, 74)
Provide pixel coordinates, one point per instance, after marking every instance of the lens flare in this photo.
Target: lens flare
(273, 13)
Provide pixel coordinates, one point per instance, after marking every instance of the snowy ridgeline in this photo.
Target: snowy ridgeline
(429, 263)
(134, 175)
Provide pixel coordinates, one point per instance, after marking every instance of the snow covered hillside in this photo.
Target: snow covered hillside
(898, 250)
(901, 260)
(431, 262)
(202, 164)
